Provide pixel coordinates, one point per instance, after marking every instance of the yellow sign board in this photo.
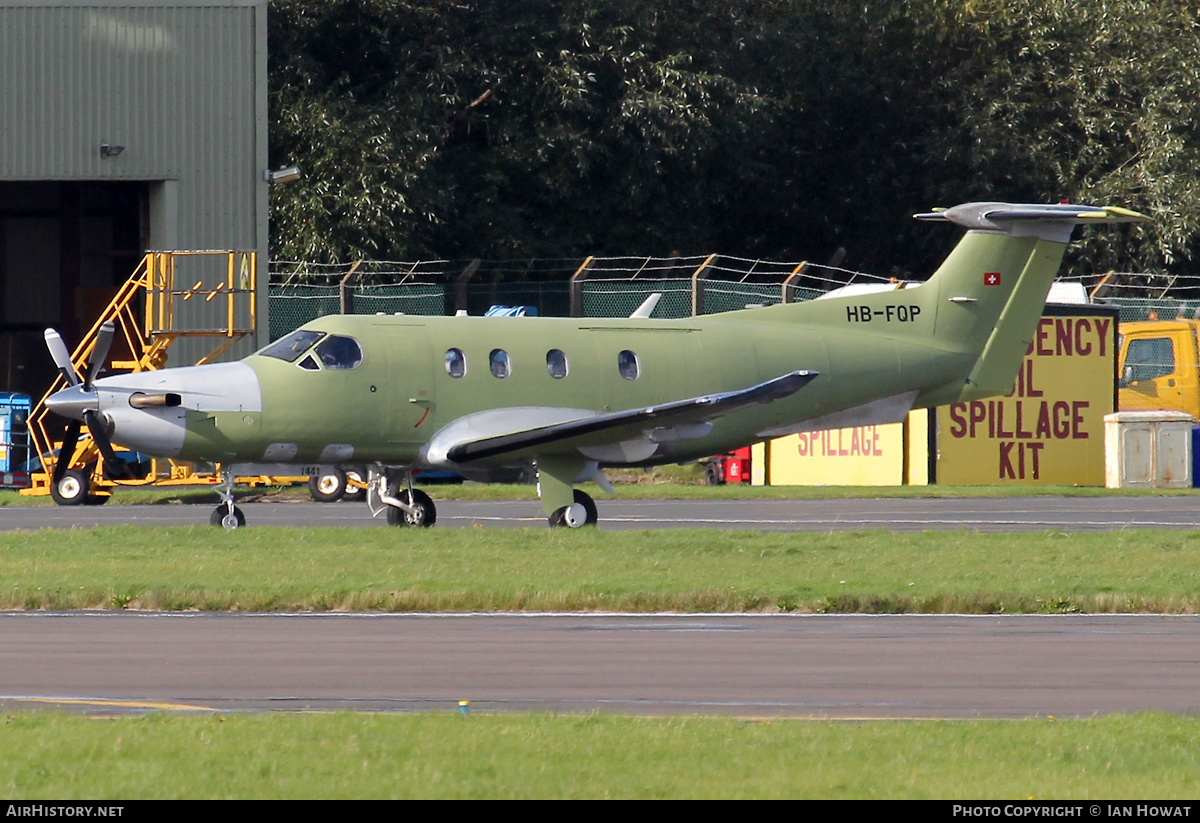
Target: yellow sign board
(1050, 428)
(883, 455)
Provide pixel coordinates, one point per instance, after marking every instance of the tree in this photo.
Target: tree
(779, 129)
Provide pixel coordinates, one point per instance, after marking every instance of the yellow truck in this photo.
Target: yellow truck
(1159, 366)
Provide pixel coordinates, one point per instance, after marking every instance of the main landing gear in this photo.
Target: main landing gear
(580, 513)
(390, 492)
(566, 506)
(418, 510)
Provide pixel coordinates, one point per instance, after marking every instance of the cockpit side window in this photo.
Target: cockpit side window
(337, 352)
(290, 348)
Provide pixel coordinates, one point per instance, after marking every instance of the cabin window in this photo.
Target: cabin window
(337, 352)
(456, 363)
(556, 364)
(290, 348)
(500, 363)
(628, 365)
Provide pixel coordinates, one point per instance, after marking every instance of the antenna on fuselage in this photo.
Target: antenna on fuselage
(647, 308)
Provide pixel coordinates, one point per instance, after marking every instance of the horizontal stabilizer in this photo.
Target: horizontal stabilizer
(626, 424)
(1050, 221)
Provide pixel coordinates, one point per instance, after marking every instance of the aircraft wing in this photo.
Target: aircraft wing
(628, 424)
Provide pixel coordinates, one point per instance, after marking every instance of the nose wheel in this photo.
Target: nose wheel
(228, 517)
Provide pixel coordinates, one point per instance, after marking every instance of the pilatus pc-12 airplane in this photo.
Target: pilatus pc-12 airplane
(569, 396)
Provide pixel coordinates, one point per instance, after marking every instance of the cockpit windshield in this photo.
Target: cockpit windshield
(333, 352)
(290, 348)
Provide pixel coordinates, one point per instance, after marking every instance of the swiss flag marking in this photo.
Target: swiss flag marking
(991, 278)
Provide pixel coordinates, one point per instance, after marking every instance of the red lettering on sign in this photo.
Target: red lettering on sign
(1077, 408)
(1102, 326)
(1081, 345)
(1028, 460)
(859, 441)
(1043, 337)
(1070, 337)
(1062, 337)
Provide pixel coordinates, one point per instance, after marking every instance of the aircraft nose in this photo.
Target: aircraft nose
(72, 402)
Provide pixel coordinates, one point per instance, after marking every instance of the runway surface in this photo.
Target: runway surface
(778, 665)
(982, 514)
(760, 666)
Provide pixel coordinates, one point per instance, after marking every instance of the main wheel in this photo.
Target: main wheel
(328, 487)
(712, 475)
(71, 489)
(581, 513)
(425, 514)
(221, 516)
(355, 493)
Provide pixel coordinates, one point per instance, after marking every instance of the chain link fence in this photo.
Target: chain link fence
(617, 286)
(593, 287)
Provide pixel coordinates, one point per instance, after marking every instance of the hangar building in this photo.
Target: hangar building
(126, 127)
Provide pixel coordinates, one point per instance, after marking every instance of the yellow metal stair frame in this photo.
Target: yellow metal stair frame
(149, 338)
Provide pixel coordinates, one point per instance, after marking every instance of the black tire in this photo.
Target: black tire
(591, 516)
(217, 518)
(96, 499)
(425, 517)
(71, 489)
(353, 493)
(712, 474)
(328, 487)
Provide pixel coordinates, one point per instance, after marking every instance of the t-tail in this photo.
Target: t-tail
(989, 293)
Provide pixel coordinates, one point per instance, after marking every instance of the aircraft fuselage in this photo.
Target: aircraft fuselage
(401, 394)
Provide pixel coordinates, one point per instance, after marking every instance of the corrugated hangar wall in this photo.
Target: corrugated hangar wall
(181, 87)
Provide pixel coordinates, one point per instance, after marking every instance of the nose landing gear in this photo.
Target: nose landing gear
(226, 514)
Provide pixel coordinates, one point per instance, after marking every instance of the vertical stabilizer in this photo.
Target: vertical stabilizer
(992, 288)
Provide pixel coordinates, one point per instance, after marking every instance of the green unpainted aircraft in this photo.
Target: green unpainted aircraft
(569, 396)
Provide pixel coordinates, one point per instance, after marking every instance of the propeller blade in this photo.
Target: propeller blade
(61, 357)
(104, 338)
(63, 461)
(113, 466)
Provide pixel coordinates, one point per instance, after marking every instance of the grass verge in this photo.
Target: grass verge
(682, 570)
(274, 756)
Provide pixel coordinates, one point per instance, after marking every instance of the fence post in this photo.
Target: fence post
(577, 287)
(460, 285)
(788, 294)
(346, 289)
(698, 285)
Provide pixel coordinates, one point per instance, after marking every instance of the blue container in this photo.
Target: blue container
(14, 440)
(1195, 456)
